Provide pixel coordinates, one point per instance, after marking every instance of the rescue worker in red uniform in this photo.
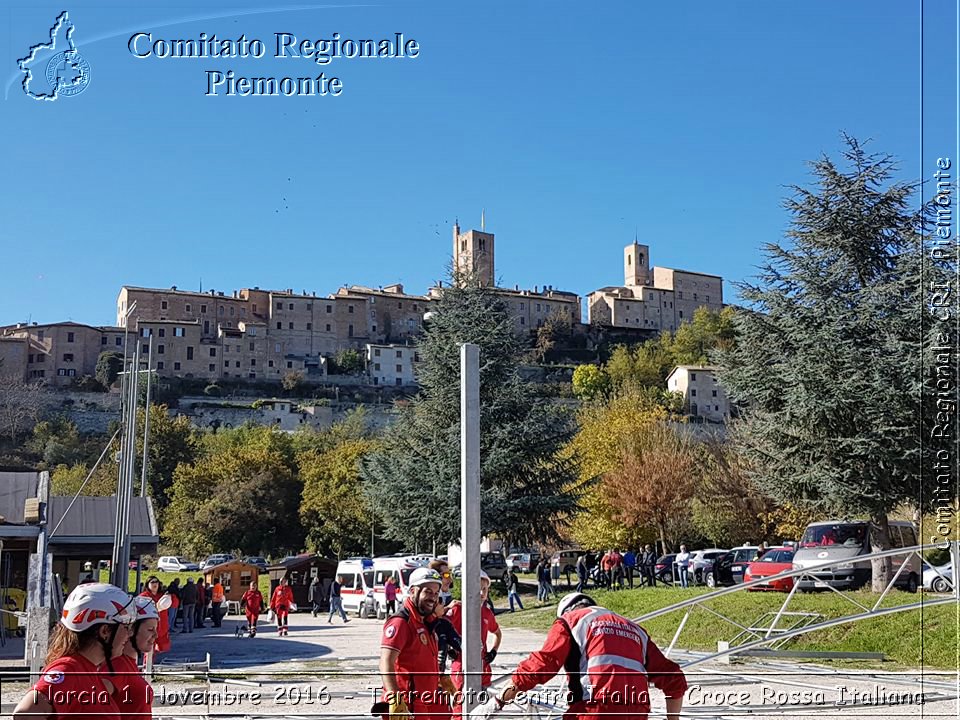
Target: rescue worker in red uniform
(610, 662)
(252, 603)
(488, 625)
(280, 604)
(154, 591)
(408, 656)
(132, 693)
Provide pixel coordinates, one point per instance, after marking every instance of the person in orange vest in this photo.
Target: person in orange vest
(281, 603)
(216, 599)
(252, 603)
(609, 660)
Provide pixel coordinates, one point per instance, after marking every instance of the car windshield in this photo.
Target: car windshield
(182, 559)
(848, 535)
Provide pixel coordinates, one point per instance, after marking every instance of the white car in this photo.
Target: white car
(172, 563)
(938, 578)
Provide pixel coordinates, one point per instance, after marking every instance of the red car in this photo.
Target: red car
(773, 562)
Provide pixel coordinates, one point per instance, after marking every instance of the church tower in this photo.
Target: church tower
(473, 252)
(636, 265)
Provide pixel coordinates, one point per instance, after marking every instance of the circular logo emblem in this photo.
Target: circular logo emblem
(423, 638)
(53, 677)
(822, 554)
(390, 631)
(68, 73)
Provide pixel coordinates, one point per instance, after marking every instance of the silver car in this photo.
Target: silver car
(938, 578)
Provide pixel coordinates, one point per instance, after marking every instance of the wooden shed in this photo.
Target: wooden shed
(235, 576)
(300, 571)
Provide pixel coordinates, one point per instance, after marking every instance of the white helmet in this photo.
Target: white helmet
(96, 604)
(571, 599)
(146, 608)
(424, 576)
(165, 602)
(484, 577)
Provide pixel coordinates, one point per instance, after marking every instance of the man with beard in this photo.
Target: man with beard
(408, 655)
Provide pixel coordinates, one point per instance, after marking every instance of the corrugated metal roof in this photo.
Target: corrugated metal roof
(94, 517)
(15, 488)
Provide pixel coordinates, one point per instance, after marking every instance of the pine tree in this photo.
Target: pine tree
(827, 362)
(413, 479)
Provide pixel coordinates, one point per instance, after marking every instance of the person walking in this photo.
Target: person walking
(252, 603)
(390, 594)
(188, 603)
(93, 628)
(281, 603)
(313, 595)
(336, 602)
(201, 611)
(154, 591)
(610, 662)
(132, 693)
(682, 564)
(217, 597)
(582, 573)
(409, 649)
(513, 589)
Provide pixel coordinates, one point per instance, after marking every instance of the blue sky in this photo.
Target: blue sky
(574, 126)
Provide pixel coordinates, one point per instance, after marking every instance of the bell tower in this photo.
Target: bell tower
(636, 265)
(473, 252)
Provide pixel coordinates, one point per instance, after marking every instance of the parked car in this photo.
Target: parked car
(938, 578)
(728, 569)
(701, 561)
(663, 570)
(217, 559)
(773, 562)
(494, 564)
(843, 542)
(174, 563)
(523, 562)
(260, 562)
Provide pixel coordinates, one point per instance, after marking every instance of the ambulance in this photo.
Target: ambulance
(399, 567)
(357, 590)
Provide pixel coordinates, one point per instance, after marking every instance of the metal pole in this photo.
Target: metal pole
(470, 520)
(117, 537)
(124, 569)
(146, 425)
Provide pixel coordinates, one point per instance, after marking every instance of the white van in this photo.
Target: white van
(847, 540)
(357, 590)
(399, 568)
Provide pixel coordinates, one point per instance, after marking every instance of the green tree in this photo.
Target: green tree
(172, 442)
(413, 479)
(68, 479)
(556, 329)
(109, 367)
(590, 382)
(708, 330)
(828, 362)
(293, 381)
(348, 362)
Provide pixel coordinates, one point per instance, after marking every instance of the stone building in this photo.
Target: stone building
(703, 396)
(391, 364)
(653, 298)
(60, 353)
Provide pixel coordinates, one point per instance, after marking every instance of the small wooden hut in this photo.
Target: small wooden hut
(235, 576)
(300, 571)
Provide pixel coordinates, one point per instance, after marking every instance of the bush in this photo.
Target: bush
(213, 390)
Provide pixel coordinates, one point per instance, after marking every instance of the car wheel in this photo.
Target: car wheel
(711, 581)
(911, 583)
(940, 585)
(362, 611)
(668, 578)
(698, 577)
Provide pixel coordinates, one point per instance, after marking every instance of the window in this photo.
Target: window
(70, 337)
(329, 308)
(328, 327)
(161, 332)
(252, 332)
(538, 307)
(279, 326)
(220, 311)
(189, 309)
(179, 332)
(213, 352)
(176, 366)
(41, 358)
(212, 367)
(254, 307)
(693, 393)
(289, 364)
(144, 332)
(231, 310)
(39, 334)
(374, 328)
(399, 353)
(350, 331)
(290, 326)
(680, 295)
(309, 326)
(399, 368)
(309, 306)
(252, 347)
(290, 306)
(400, 305)
(253, 362)
(681, 313)
(399, 381)
(523, 321)
(68, 357)
(279, 306)
(160, 365)
(145, 349)
(71, 372)
(693, 376)
(694, 296)
(206, 327)
(350, 309)
(163, 304)
(253, 376)
(236, 363)
(226, 363)
(276, 347)
(708, 298)
(203, 309)
(103, 340)
(714, 393)
(376, 366)
(30, 358)
(376, 352)
(190, 352)
(270, 363)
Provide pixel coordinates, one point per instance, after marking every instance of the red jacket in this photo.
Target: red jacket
(488, 624)
(163, 626)
(609, 661)
(282, 598)
(252, 600)
(416, 670)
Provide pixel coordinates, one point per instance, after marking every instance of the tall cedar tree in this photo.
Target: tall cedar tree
(413, 479)
(828, 358)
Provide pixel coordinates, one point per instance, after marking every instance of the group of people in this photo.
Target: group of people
(190, 603)
(609, 660)
(615, 570)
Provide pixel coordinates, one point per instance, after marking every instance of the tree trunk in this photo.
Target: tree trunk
(880, 540)
(662, 527)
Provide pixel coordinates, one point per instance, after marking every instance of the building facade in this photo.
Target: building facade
(703, 396)
(61, 353)
(391, 364)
